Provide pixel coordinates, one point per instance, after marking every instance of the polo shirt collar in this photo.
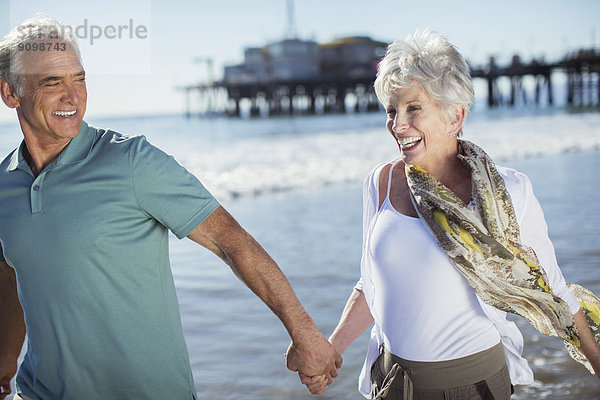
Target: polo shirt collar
(17, 161)
(77, 150)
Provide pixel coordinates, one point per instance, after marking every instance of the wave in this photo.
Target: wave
(263, 165)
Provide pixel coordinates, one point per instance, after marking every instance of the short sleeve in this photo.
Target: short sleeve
(167, 191)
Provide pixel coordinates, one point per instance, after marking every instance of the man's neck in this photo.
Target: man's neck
(40, 155)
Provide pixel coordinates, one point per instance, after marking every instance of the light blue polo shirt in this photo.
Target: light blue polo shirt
(88, 239)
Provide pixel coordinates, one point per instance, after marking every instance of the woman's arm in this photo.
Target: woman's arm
(534, 233)
(355, 319)
(589, 347)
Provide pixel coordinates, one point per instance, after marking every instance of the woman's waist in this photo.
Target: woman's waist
(448, 373)
(430, 336)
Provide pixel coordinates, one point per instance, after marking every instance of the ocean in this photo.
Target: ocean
(295, 184)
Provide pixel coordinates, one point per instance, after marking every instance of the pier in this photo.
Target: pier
(582, 70)
(302, 77)
(295, 76)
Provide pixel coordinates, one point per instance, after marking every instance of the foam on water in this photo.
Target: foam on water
(257, 165)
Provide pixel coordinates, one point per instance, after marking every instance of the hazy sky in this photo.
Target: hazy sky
(137, 52)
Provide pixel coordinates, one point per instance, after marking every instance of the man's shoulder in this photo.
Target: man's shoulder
(108, 136)
(108, 141)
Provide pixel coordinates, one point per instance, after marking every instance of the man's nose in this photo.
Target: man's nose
(70, 94)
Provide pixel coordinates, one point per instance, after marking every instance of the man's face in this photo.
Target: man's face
(54, 94)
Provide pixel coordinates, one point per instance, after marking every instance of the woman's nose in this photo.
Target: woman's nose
(400, 124)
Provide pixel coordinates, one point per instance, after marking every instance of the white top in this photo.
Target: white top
(428, 310)
(424, 310)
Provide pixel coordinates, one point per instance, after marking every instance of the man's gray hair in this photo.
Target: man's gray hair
(38, 29)
(426, 59)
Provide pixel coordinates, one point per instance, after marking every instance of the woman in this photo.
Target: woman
(451, 243)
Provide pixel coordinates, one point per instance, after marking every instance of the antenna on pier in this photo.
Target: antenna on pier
(291, 23)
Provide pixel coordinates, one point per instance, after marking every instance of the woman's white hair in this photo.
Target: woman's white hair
(40, 28)
(426, 59)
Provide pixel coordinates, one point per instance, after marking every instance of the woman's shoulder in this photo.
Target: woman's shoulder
(375, 173)
(371, 189)
(514, 179)
(519, 188)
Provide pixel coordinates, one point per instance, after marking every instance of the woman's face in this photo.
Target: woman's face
(415, 121)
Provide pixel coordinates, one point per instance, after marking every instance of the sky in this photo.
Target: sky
(137, 53)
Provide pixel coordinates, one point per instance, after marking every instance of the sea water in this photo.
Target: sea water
(295, 183)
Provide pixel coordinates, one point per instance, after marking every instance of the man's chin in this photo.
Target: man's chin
(69, 128)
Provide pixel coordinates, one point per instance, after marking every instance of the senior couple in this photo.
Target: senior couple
(452, 243)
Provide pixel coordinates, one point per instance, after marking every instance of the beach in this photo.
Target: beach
(296, 185)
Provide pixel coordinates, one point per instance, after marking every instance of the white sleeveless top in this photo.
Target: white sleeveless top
(428, 310)
(422, 307)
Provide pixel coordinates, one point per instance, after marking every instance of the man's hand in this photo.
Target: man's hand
(314, 357)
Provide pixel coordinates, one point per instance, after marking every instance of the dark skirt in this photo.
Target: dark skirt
(483, 375)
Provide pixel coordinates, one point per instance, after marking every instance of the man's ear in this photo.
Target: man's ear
(8, 93)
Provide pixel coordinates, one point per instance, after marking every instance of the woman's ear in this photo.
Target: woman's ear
(457, 119)
(8, 93)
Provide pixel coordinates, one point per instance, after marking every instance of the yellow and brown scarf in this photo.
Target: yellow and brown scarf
(485, 246)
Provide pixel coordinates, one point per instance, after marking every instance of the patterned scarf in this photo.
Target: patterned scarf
(485, 246)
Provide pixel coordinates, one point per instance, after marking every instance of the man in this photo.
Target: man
(84, 266)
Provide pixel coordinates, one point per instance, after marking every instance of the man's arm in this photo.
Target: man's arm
(12, 328)
(310, 352)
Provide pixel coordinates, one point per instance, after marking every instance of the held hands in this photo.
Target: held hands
(316, 361)
(315, 384)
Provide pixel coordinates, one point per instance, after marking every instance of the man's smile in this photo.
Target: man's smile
(64, 113)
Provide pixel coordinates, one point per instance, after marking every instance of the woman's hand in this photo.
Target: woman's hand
(315, 384)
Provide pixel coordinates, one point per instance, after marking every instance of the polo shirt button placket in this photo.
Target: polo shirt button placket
(36, 195)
